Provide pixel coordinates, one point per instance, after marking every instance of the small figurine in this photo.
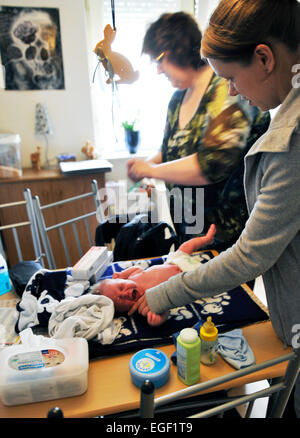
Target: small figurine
(36, 159)
(113, 62)
(89, 151)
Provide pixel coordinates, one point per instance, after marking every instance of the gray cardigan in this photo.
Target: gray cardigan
(270, 242)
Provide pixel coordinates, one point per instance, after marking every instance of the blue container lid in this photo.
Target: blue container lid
(149, 364)
(65, 157)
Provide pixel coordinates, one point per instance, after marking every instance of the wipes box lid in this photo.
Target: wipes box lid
(43, 369)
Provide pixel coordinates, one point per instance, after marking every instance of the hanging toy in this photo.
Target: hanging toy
(113, 62)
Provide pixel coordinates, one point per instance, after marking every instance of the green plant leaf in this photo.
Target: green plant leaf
(129, 126)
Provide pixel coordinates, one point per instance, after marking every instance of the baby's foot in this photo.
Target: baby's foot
(156, 319)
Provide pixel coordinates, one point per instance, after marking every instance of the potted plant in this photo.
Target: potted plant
(132, 136)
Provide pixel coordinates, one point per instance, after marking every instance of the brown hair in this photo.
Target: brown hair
(236, 27)
(177, 34)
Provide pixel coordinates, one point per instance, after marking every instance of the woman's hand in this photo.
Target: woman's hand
(153, 319)
(141, 306)
(156, 319)
(183, 171)
(138, 169)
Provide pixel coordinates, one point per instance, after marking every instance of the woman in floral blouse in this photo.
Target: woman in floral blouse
(206, 136)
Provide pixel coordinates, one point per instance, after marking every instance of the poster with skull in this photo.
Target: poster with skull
(30, 47)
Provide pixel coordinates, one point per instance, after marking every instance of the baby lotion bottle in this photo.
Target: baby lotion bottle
(188, 356)
(209, 342)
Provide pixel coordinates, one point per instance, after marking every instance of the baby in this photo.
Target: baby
(126, 287)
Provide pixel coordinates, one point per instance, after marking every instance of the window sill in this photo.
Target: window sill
(119, 160)
(124, 154)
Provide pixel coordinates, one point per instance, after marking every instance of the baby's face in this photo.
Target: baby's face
(124, 293)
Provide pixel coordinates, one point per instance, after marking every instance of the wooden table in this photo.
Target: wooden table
(111, 391)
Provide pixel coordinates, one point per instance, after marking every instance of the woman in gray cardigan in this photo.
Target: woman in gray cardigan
(255, 46)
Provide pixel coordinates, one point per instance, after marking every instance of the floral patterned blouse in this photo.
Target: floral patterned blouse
(221, 132)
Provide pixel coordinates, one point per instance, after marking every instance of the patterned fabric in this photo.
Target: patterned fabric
(229, 310)
(46, 290)
(221, 132)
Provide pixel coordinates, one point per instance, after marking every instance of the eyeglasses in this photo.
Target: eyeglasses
(160, 57)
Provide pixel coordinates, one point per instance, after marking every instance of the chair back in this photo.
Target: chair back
(72, 232)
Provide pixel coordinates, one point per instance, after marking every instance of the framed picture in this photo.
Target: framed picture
(30, 47)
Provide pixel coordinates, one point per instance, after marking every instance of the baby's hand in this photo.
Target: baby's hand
(153, 319)
(156, 319)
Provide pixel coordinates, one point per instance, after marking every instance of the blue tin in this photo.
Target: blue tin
(149, 364)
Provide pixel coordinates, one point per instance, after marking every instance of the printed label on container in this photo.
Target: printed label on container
(145, 365)
(36, 359)
(181, 362)
(209, 352)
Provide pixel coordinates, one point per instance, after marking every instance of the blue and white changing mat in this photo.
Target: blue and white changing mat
(230, 310)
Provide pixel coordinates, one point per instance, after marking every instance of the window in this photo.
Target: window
(203, 9)
(146, 99)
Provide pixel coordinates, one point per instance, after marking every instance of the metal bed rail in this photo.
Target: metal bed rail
(149, 403)
(44, 229)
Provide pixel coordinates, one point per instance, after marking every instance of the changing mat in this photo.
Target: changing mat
(233, 309)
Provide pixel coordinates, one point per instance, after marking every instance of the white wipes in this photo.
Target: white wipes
(86, 316)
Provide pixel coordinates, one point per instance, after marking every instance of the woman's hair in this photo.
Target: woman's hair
(177, 34)
(236, 27)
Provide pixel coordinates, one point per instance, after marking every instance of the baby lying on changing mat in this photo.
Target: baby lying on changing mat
(126, 287)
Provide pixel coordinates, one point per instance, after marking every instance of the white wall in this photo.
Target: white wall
(70, 109)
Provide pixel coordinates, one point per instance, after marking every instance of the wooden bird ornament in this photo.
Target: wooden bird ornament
(89, 151)
(113, 62)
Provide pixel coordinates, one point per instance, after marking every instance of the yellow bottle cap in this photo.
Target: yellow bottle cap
(209, 331)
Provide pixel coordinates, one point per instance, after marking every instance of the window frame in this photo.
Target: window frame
(95, 21)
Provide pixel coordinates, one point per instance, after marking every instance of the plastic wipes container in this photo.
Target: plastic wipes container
(10, 156)
(43, 369)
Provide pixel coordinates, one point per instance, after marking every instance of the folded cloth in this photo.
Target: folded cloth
(234, 348)
(87, 316)
(76, 288)
(28, 312)
(44, 290)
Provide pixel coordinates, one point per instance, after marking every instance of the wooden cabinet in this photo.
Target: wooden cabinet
(50, 186)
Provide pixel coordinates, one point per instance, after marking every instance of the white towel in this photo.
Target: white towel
(28, 314)
(87, 316)
(76, 288)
